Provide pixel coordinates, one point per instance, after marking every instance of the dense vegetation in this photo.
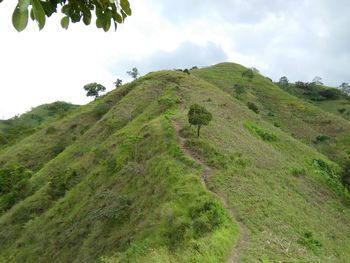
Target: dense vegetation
(109, 182)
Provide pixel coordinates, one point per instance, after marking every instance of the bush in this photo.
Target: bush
(60, 182)
(206, 217)
(341, 111)
(322, 138)
(330, 93)
(252, 106)
(239, 90)
(14, 185)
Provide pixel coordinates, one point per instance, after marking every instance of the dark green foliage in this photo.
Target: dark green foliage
(199, 116)
(106, 12)
(239, 90)
(186, 71)
(248, 75)
(206, 217)
(322, 138)
(94, 89)
(14, 185)
(298, 172)
(62, 181)
(283, 82)
(325, 169)
(252, 106)
(194, 67)
(134, 73)
(309, 241)
(118, 83)
(330, 93)
(341, 111)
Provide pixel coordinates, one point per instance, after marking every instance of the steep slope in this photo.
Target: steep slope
(17, 128)
(125, 185)
(302, 120)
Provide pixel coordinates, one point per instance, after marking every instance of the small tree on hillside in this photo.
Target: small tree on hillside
(134, 73)
(198, 115)
(94, 89)
(317, 80)
(248, 75)
(283, 82)
(345, 87)
(118, 83)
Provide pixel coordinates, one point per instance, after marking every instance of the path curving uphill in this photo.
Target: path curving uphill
(207, 173)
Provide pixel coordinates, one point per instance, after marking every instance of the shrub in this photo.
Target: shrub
(206, 217)
(60, 182)
(331, 93)
(322, 138)
(341, 111)
(252, 106)
(239, 90)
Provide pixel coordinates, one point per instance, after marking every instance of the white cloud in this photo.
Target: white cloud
(300, 39)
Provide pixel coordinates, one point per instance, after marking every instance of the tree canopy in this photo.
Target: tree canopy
(107, 12)
(198, 115)
(94, 89)
(134, 73)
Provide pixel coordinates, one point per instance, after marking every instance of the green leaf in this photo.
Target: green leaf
(107, 24)
(20, 19)
(39, 13)
(117, 18)
(23, 5)
(99, 22)
(126, 7)
(65, 22)
(87, 18)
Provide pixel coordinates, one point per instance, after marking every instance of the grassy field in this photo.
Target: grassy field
(109, 182)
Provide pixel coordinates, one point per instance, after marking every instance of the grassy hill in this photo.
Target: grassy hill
(124, 178)
(18, 127)
(336, 102)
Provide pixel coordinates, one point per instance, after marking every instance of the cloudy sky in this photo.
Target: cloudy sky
(300, 39)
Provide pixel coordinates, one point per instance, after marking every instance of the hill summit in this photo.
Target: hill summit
(126, 179)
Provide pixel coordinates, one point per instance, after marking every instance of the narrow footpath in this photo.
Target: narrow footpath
(207, 173)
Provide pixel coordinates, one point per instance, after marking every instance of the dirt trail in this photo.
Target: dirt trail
(207, 173)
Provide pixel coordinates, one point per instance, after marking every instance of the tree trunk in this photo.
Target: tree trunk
(198, 128)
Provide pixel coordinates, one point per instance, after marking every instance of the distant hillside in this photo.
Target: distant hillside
(125, 179)
(18, 127)
(328, 133)
(328, 99)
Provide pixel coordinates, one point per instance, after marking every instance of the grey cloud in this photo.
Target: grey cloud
(185, 55)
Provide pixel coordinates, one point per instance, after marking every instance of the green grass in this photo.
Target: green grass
(109, 183)
(18, 127)
(301, 119)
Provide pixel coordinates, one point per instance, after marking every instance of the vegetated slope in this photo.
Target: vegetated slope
(335, 102)
(18, 127)
(120, 189)
(326, 132)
